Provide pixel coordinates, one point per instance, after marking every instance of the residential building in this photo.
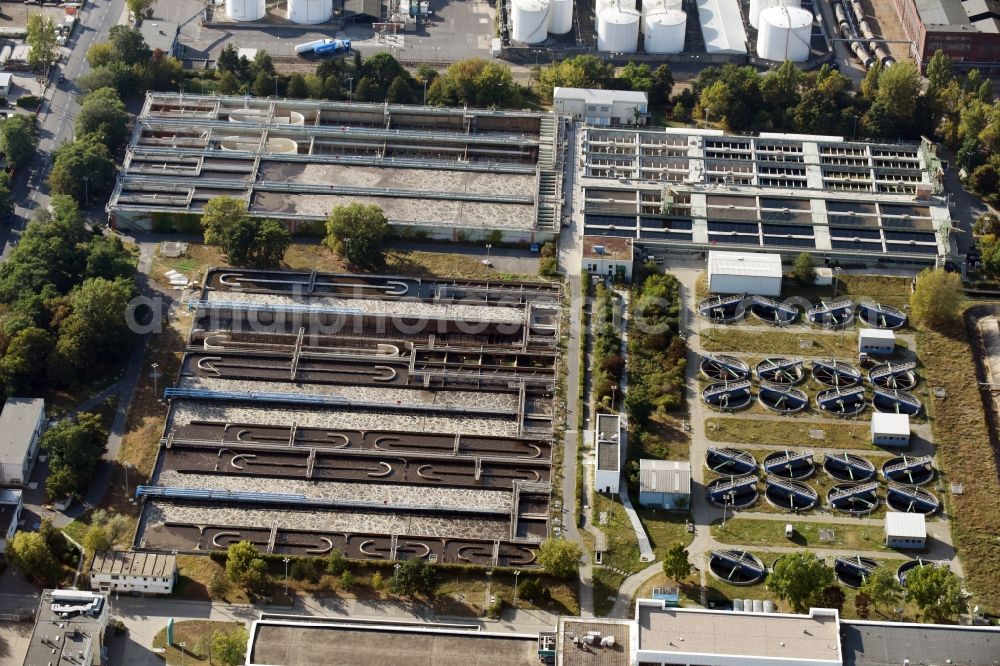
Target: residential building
(11, 503)
(160, 35)
(890, 429)
(69, 629)
(744, 273)
(608, 441)
(905, 530)
(125, 571)
(608, 256)
(876, 341)
(601, 107)
(968, 32)
(665, 484)
(21, 423)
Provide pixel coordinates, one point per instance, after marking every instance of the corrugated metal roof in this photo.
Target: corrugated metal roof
(890, 424)
(942, 12)
(8, 496)
(907, 525)
(876, 334)
(749, 264)
(600, 96)
(127, 563)
(664, 476)
(722, 26)
(17, 425)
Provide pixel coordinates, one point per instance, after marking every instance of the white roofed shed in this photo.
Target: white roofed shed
(744, 273)
(905, 530)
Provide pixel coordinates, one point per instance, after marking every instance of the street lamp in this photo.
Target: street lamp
(836, 272)
(350, 88)
(517, 572)
(726, 499)
(489, 246)
(286, 561)
(183, 645)
(614, 394)
(86, 191)
(156, 391)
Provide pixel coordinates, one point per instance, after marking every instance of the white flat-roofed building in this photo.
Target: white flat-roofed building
(608, 256)
(890, 429)
(69, 629)
(690, 636)
(722, 26)
(608, 442)
(123, 571)
(5, 81)
(905, 530)
(11, 502)
(602, 107)
(744, 273)
(665, 484)
(21, 424)
(877, 341)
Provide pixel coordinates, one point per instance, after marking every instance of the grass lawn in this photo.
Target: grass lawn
(774, 343)
(606, 584)
(747, 532)
(892, 291)
(848, 435)
(623, 547)
(197, 638)
(665, 528)
(965, 453)
(195, 573)
(690, 588)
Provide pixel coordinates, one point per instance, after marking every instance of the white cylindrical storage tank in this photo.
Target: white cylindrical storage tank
(245, 10)
(618, 30)
(784, 34)
(601, 5)
(310, 11)
(665, 31)
(757, 6)
(530, 21)
(560, 16)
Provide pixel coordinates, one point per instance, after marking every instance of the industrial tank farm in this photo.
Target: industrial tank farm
(388, 418)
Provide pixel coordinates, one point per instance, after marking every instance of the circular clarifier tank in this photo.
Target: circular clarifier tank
(852, 571)
(848, 468)
(732, 462)
(906, 567)
(790, 495)
(857, 499)
(733, 492)
(835, 374)
(832, 315)
(911, 499)
(783, 371)
(908, 470)
(782, 399)
(736, 567)
(721, 368)
(772, 312)
(728, 396)
(723, 309)
(841, 402)
(893, 376)
(794, 465)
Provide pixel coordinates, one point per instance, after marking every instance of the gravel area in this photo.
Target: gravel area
(468, 498)
(488, 402)
(403, 309)
(158, 513)
(186, 411)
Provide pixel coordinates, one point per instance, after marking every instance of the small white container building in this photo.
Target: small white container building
(890, 429)
(126, 571)
(665, 484)
(905, 530)
(608, 256)
(602, 107)
(824, 276)
(744, 273)
(608, 440)
(876, 342)
(20, 429)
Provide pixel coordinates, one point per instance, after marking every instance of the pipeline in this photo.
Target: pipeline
(848, 33)
(876, 47)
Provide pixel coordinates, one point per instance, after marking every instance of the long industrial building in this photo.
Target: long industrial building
(690, 190)
(386, 417)
(967, 31)
(437, 173)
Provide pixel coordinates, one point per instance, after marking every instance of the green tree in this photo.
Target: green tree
(381, 70)
(97, 538)
(30, 552)
(675, 563)
(862, 605)
(218, 586)
(130, 46)
(96, 332)
(898, 90)
(357, 231)
(108, 258)
(413, 577)
(800, 579)
(141, 8)
(103, 112)
(82, 169)
(228, 60)
(271, 243)
(663, 85)
(804, 270)
(399, 91)
(246, 241)
(833, 597)
(987, 224)
(19, 139)
(229, 649)
(296, 87)
(336, 563)
(22, 367)
(54, 538)
(41, 37)
(218, 215)
(264, 84)
(985, 181)
(714, 103)
(560, 557)
(228, 84)
(74, 449)
(936, 299)
(240, 559)
(583, 71)
(101, 54)
(937, 591)
(636, 77)
(347, 580)
(378, 582)
(882, 586)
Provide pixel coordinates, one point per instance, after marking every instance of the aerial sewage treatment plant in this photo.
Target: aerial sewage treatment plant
(388, 418)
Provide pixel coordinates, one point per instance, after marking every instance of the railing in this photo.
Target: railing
(853, 491)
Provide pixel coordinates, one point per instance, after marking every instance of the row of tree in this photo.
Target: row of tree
(587, 71)
(42, 555)
(127, 64)
(65, 293)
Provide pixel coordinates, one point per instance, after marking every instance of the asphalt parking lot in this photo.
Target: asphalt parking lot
(457, 30)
